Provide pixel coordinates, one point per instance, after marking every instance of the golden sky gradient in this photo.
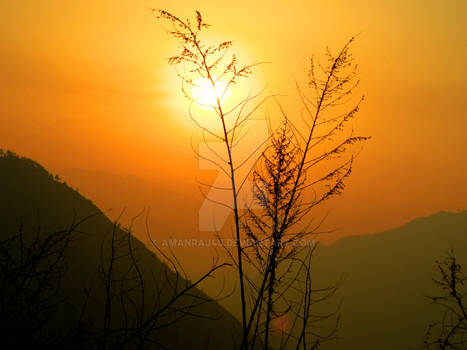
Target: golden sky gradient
(86, 85)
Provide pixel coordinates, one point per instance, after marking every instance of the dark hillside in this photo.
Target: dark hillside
(36, 207)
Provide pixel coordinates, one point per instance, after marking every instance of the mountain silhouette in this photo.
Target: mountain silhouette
(36, 206)
(386, 279)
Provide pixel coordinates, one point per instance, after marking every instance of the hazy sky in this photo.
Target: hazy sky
(85, 85)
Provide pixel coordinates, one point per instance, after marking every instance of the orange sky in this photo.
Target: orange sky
(85, 85)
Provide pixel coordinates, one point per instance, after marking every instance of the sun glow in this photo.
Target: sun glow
(206, 95)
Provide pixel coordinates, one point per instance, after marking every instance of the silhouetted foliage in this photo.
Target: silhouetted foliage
(134, 308)
(31, 271)
(289, 168)
(280, 255)
(299, 165)
(216, 63)
(450, 333)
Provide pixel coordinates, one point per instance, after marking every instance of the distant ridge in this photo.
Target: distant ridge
(385, 280)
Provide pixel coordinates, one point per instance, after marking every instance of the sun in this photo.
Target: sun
(206, 95)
